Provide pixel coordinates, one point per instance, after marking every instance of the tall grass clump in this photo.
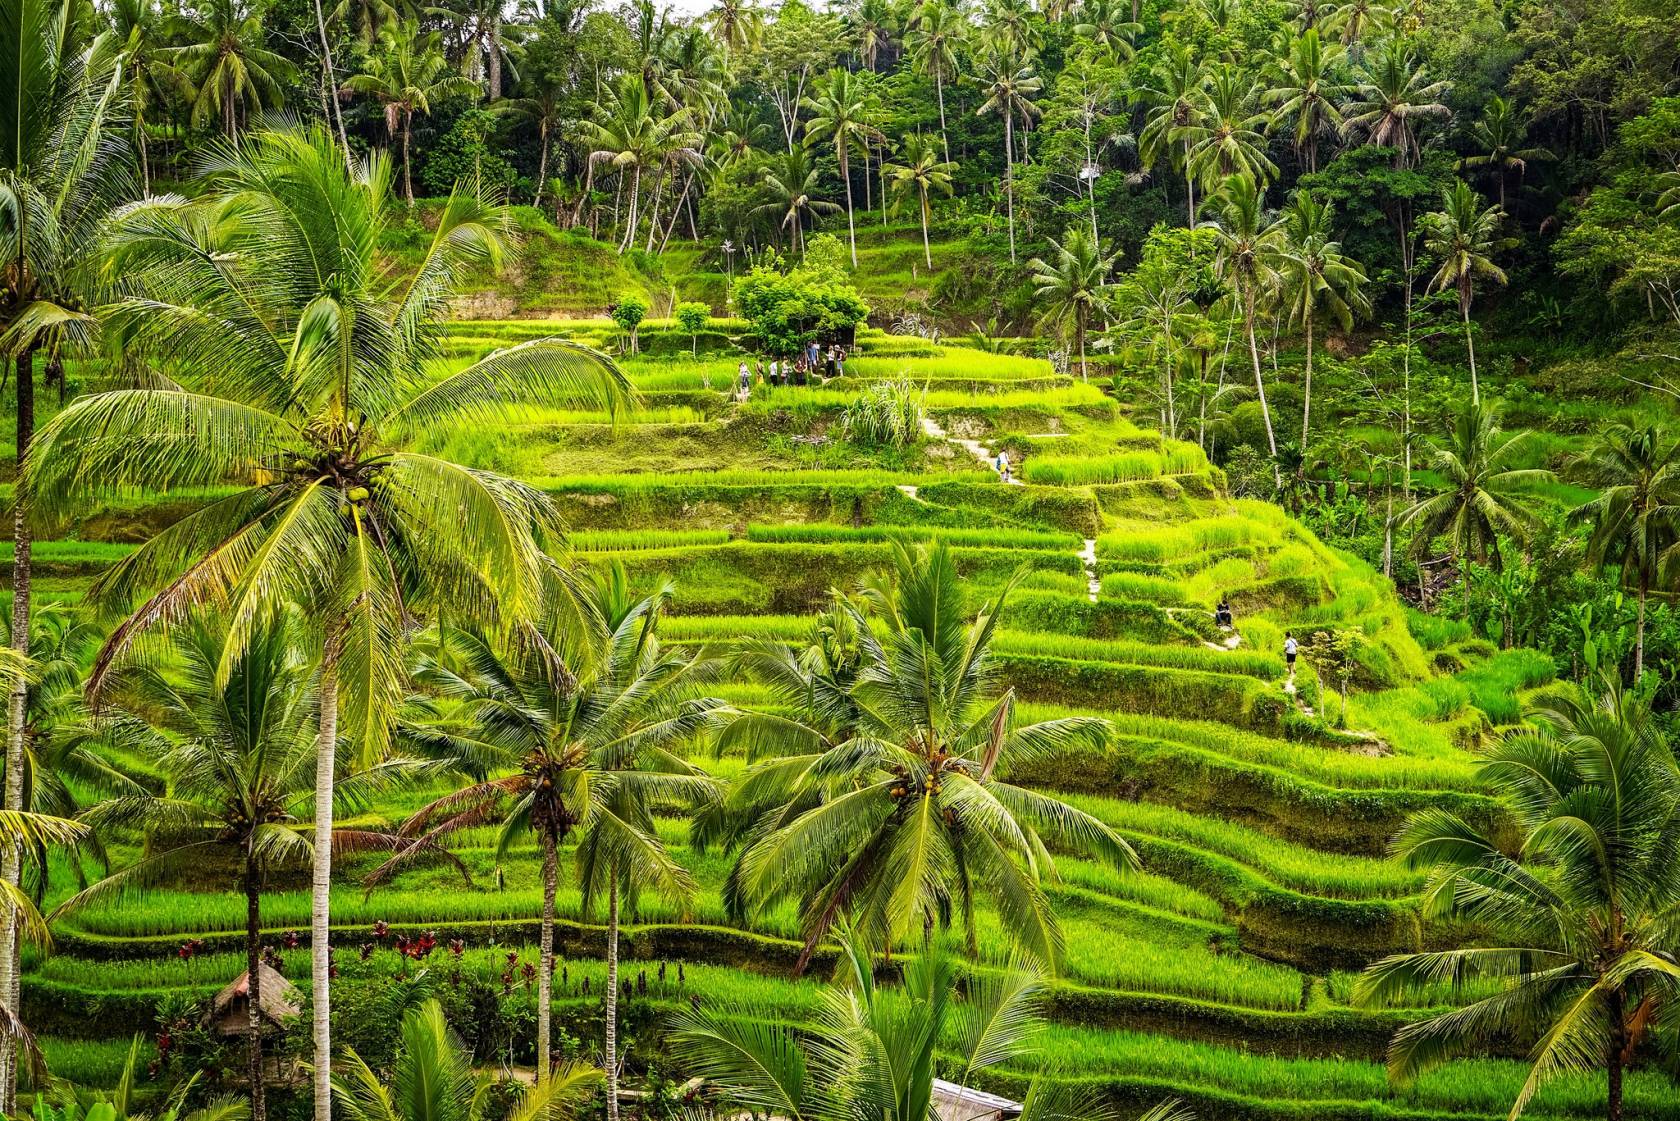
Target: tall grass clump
(1070, 471)
(887, 414)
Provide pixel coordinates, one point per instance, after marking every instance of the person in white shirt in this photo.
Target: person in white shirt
(1290, 646)
(1003, 465)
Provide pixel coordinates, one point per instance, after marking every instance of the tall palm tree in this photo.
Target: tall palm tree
(921, 170)
(1394, 95)
(545, 107)
(935, 34)
(1227, 137)
(293, 366)
(1316, 275)
(573, 723)
(1013, 27)
(1463, 235)
(370, 19)
(791, 179)
(405, 76)
(1578, 922)
(1356, 20)
(1501, 134)
(882, 799)
(1175, 99)
(1073, 284)
(137, 38)
(633, 136)
(63, 168)
(434, 1080)
(226, 58)
(1247, 259)
(839, 110)
(1634, 521)
(238, 756)
(1103, 24)
(873, 24)
(1010, 85)
(736, 23)
(1486, 494)
(875, 1051)
(1308, 92)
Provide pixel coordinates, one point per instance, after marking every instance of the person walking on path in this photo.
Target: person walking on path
(1290, 647)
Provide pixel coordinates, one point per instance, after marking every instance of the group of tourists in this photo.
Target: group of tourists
(814, 364)
(1224, 620)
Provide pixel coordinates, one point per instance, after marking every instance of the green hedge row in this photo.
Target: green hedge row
(1107, 618)
(1244, 702)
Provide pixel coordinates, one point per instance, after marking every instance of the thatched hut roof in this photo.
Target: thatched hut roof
(279, 997)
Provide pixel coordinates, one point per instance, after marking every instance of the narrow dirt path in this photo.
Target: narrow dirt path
(1088, 556)
(975, 448)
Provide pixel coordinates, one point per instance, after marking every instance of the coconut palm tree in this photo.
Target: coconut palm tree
(405, 76)
(290, 364)
(574, 724)
(1010, 85)
(1227, 137)
(935, 34)
(63, 167)
(1501, 133)
(1317, 276)
(137, 38)
(791, 179)
(434, 1080)
(1486, 494)
(1393, 96)
(1356, 20)
(920, 170)
(1102, 23)
(839, 110)
(875, 1051)
(1463, 235)
(370, 19)
(226, 58)
(633, 136)
(238, 756)
(1577, 923)
(1073, 285)
(546, 109)
(1175, 99)
(1248, 248)
(873, 24)
(881, 799)
(1308, 92)
(1634, 522)
(736, 23)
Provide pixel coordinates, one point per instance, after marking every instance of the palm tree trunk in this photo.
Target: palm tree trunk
(630, 218)
(320, 906)
(1189, 192)
(1639, 628)
(545, 958)
(1306, 390)
(612, 997)
(845, 174)
(939, 91)
(496, 53)
(408, 183)
(253, 1002)
(1470, 349)
(927, 253)
(145, 161)
(332, 81)
(1260, 385)
(11, 862)
(1009, 175)
(1079, 329)
(542, 165)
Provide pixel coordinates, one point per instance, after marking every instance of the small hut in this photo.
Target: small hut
(962, 1103)
(229, 1013)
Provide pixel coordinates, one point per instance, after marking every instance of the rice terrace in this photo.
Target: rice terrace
(883, 560)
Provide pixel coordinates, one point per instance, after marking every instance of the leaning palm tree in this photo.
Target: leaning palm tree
(405, 76)
(289, 365)
(839, 109)
(882, 799)
(1463, 235)
(237, 755)
(434, 1080)
(1073, 285)
(1578, 923)
(574, 721)
(1486, 494)
(1634, 522)
(1010, 85)
(635, 135)
(1394, 94)
(1316, 276)
(875, 1051)
(920, 170)
(1500, 135)
(1309, 92)
(226, 57)
(1248, 249)
(791, 180)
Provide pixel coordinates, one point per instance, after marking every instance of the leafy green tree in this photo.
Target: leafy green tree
(635, 135)
(784, 311)
(1393, 96)
(693, 317)
(838, 110)
(434, 1080)
(406, 75)
(1073, 284)
(1486, 495)
(920, 170)
(574, 725)
(1578, 920)
(227, 59)
(1247, 259)
(1009, 84)
(1316, 276)
(1103, 25)
(545, 108)
(1463, 236)
(138, 38)
(884, 802)
(1634, 521)
(628, 311)
(1501, 134)
(293, 367)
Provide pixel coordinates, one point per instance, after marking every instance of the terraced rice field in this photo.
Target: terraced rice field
(1219, 975)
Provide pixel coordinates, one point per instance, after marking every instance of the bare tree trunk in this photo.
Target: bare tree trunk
(542, 165)
(612, 997)
(496, 53)
(545, 960)
(1470, 349)
(1260, 386)
(17, 722)
(1639, 631)
(939, 91)
(1306, 391)
(408, 183)
(927, 253)
(320, 908)
(1009, 175)
(845, 173)
(331, 82)
(253, 1002)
